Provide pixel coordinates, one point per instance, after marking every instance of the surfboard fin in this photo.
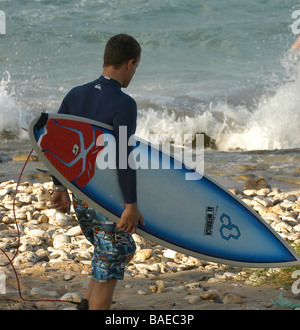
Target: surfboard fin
(42, 120)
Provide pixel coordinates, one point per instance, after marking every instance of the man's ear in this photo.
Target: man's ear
(129, 63)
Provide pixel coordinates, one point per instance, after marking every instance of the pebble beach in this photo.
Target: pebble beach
(54, 258)
(222, 69)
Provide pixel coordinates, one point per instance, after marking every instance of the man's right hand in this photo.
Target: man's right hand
(61, 201)
(130, 219)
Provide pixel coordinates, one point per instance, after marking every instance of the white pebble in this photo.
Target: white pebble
(74, 231)
(141, 292)
(193, 299)
(27, 256)
(171, 254)
(45, 293)
(72, 296)
(39, 233)
(59, 240)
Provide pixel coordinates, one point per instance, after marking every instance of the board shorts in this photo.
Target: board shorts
(111, 245)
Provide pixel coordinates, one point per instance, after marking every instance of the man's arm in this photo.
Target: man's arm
(131, 216)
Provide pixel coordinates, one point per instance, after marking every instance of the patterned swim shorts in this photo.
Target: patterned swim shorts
(111, 245)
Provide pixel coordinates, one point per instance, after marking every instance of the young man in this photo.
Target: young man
(296, 45)
(104, 101)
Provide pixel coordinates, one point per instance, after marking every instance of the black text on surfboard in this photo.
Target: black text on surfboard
(210, 216)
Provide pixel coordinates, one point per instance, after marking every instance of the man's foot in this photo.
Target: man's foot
(83, 305)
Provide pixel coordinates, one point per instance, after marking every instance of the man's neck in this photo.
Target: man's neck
(113, 73)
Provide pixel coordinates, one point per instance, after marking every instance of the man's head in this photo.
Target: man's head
(121, 58)
(120, 49)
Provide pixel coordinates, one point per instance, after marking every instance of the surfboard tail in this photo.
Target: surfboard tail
(291, 257)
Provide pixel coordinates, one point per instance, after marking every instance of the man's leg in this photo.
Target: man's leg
(107, 241)
(101, 299)
(129, 257)
(100, 294)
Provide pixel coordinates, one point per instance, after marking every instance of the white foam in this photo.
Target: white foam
(12, 115)
(273, 123)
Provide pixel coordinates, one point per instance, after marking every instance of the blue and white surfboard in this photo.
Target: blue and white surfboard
(199, 218)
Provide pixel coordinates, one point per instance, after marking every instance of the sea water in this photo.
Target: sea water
(223, 68)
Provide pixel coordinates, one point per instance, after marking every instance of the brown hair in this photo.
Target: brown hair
(120, 49)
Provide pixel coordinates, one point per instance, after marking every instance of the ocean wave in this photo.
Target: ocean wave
(263, 119)
(271, 122)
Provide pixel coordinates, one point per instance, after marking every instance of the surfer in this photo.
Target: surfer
(296, 45)
(104, 101)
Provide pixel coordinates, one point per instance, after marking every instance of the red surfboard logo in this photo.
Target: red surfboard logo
(72, 147)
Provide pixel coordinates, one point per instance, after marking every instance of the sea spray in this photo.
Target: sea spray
(274, 123)
(13, 116)
(271, 122)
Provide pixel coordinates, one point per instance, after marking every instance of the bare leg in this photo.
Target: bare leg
(100, 294)
(89, 290)
(129, 257)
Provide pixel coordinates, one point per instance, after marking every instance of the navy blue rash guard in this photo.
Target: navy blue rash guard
(103, 100)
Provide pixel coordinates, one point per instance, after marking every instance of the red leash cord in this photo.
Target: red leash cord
(10, 260)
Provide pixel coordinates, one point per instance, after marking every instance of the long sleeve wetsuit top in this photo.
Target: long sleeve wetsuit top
(103, 100)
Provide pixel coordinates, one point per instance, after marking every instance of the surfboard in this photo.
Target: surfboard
(198, 217)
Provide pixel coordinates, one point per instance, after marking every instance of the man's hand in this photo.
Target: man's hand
(130, 219)
(61, 201)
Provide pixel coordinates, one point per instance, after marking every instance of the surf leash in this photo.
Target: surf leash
(10, 260)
